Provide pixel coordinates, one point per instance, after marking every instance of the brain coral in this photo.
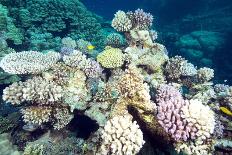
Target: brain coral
(121, 136)
(111, 58)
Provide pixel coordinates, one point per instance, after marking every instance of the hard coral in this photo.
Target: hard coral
(111, 58)
(121, 22)
(181, 118)
(141, 19)
(121, 136)
(28, 62)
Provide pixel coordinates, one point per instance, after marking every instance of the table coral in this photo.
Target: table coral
(27, 62)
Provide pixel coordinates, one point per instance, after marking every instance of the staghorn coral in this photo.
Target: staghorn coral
(121, 22)
(130, 85)
(178, 67)
(121, 136)
(28, 62)
(13, 93)
(111, 58)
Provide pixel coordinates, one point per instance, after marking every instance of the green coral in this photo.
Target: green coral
(54, 19)
(7, 25)
(111, 57)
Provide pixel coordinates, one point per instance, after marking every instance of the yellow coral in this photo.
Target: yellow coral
(226, 111)
(111, 58)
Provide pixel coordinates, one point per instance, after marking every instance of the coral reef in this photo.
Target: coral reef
(126, 91)
(44, 23)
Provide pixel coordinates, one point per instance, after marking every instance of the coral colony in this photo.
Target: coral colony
(136, 74)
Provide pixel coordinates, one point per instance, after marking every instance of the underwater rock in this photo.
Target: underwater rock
(199, 45)
(6, 147)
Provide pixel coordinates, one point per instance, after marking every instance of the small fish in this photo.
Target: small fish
(226, 111)
(90, 47)
(30, 127)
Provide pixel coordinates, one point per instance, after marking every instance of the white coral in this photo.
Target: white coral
(28, 62)
(121, 136)
(121, 22)
(201, 116)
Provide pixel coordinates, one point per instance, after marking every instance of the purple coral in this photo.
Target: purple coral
(169, 103)
(143, 20)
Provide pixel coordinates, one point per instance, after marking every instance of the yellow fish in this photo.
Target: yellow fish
(226, 111)
(90, 47)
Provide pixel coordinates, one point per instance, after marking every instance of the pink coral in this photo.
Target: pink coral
(183, 119)
(169, 104)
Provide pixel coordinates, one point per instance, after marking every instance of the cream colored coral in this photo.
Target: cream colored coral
(143, 36)
(121, 22)
(42, 91)
(28, 62)
(195, 148)
(75, 91)
(121, 136)
(205, 74)
(36, 89)
(63, 117)
(200, 116)
(36, 114)
(13, 93)
(76, 59)
(111, 58)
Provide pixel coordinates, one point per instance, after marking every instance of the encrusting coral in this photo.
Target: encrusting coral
(128, 90)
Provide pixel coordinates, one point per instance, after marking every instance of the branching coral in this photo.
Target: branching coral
(79, 60)
(205, 74)
(121, 22)
(140, 19)
(35, 90)
(178, 66)
(121, 136)
(181, 118)
(37, 114)
(28, 62)
(111, 58)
